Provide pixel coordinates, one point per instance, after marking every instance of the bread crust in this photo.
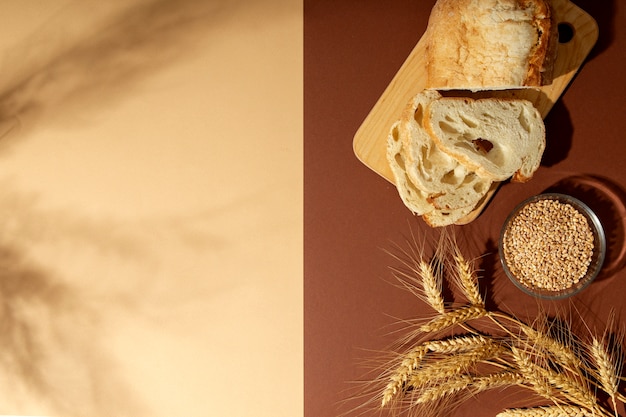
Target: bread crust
(490, 44)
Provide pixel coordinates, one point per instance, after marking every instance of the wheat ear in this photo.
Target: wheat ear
(550, 384)
(550, 411)
(467, 278)
(413, 358)
(432, 282)
(401, 374)
(457, 344)
(443, 368)
(608, 369)
(450, 318)
(562, 353)
(474, 384)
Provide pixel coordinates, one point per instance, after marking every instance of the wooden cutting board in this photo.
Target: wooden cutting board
(370, 140)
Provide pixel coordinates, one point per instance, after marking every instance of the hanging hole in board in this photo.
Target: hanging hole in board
(566, 32)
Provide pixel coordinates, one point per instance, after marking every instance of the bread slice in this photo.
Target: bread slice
(413, 198)
(448, 183)
(490, 44)
(495, 138)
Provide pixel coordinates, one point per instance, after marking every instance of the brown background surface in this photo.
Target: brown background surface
(352, 217)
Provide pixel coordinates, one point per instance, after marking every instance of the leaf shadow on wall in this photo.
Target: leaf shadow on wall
(54, 78)
(48, 345)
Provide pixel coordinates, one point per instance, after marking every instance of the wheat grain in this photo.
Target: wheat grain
(549, 411)
(450, 318)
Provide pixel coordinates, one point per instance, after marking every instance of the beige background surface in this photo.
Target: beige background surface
(151, 214)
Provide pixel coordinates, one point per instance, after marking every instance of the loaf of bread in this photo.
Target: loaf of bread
(490, 44)
(445, 153)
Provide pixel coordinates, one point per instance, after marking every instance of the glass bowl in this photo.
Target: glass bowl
(552, 246)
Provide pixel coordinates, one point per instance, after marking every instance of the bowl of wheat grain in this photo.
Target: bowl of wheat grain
(552, 246)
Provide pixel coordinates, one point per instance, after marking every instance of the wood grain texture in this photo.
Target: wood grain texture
(370, 139)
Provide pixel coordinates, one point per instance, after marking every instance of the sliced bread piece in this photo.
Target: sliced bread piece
(448, 183)
(490, 44)
(413, 198)
(495, 138)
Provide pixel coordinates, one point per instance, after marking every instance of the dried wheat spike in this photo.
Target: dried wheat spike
(473, 384)
(551, 384)
(432, 282)
(456, 344)
(608, 367)
(549, 411)
(399, 377)
(458, 316)
(443, 368)
(467, 279)
(531, 373)
(559, 351)
(446, 387)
